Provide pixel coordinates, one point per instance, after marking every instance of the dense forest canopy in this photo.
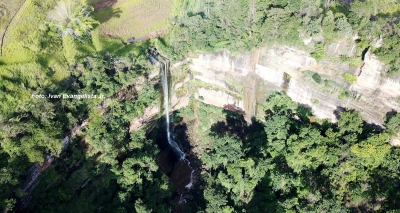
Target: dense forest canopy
(285, 162)
(243, 25)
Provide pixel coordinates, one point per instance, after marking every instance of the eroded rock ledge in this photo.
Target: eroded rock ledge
(245, 81)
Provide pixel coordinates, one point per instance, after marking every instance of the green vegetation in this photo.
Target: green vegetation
(349, 77)
(283, 164)
(45, 55)
(134, 18)
(327, 85)
(72, 18)
(393, 125)
(317, 78)
(233, 25)
(320, 51)
(7, 11)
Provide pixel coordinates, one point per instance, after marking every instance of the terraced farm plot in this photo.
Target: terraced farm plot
(131, 18)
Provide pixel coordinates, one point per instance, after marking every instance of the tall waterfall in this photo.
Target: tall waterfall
(164, 66)
(164, 78)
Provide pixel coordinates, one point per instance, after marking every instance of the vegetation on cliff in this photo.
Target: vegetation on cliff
(239, 26)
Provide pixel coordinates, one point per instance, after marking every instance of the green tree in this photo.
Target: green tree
(216, 201)
(278, 103)
(372, 152)
(393, 125)
(71, 17)
(224, 150)
(349, 77)
(350, 122)
(343, 27)
(306, 150)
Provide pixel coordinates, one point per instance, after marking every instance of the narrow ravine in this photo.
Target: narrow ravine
(36, 170)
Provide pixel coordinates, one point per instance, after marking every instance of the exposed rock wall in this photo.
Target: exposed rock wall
(323, 106)
(285, 59)
(274, 76)
(148, 114)
(373, 94)
(222, 62)
(213, 69)
(342, 47)
(371, 72)
(217, 98)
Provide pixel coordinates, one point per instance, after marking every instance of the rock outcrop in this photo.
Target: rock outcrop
(148, 114)
(370, 73)
(217, 98)
(370, 95)
(395, 142)
(246, 80)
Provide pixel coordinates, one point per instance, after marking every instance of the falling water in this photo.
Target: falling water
(164, 79)
(164, 66)
(181, 200)
(190, 184)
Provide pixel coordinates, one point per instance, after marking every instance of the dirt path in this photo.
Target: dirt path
(8, 25)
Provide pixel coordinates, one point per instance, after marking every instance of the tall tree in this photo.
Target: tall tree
(71, 17)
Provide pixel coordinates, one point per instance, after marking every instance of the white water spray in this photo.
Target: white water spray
(181, 200)
(190, 184)
(164, 79)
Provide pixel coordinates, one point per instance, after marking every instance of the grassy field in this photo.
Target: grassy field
(20, 43)
(131, 18)
(7, 11)
(19, 39)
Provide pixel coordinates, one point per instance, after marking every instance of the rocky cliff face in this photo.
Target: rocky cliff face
(246, 80)
(232, 80)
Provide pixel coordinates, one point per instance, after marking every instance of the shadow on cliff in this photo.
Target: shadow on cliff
(178, 171)
(251, 134)
(234, 124)
(194, 196)
(390, 114)
(367, 127)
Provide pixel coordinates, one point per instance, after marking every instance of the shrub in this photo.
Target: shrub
(349, 77)
(319, 52)
(314, 101)
(317, 78)
(70, 49)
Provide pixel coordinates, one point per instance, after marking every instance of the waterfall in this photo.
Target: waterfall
(190, 184)
(164, 66)
(181, 200)
(164, 78)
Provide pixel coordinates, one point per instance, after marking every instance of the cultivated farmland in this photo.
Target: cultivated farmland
(134, 18)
